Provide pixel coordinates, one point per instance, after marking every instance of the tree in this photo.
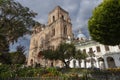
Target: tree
(50, 55)
(1, 1)
(18, 57)
(4, 48)
(104, 25)
(65, 53)
(5, 58)
(3, 44)
(15, 20)
(79, 55)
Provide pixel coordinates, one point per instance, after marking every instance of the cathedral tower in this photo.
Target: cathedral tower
(57, 30)
(60, 23)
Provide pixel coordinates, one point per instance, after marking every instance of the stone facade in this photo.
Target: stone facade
(57, 30)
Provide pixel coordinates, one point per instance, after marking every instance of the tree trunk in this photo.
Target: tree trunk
(85, 63)
(79, 63)
(66, 64)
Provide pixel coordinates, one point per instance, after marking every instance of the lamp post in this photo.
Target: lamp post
(91, 54)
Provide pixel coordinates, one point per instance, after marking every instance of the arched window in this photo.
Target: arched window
(111, 62)
(53, 18)
(40, 54)
(65, 30)
(63, 17)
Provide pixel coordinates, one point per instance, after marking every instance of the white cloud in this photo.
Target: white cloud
(84, 13)
(79, 10)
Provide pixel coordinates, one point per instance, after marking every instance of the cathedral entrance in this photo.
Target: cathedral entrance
(111, 62)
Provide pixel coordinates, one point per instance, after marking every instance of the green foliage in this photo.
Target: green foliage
(8, 71)
(49, 54)
(5, 58)
(4, 48)
(54, 71)
(16, 20)
(2, 1)
(104, 25)
(20, 49)
(5, 71)
(4, 45)
(17, 58)
(66, 51)
(80, 55)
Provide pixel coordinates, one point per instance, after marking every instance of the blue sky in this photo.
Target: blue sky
(79, 10)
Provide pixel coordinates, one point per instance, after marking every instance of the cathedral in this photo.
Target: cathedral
(57, 30)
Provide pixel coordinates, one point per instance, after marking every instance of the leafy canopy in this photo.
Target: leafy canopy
(66, 51)
(104, 25)
(15, 20)
(63, 52)
(80, 55)
(49, 54)
(18, 57)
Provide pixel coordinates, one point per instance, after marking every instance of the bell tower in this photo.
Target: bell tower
(60, 23)
(58, 13)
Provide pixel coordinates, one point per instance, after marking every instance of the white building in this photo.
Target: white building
(102, 56)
